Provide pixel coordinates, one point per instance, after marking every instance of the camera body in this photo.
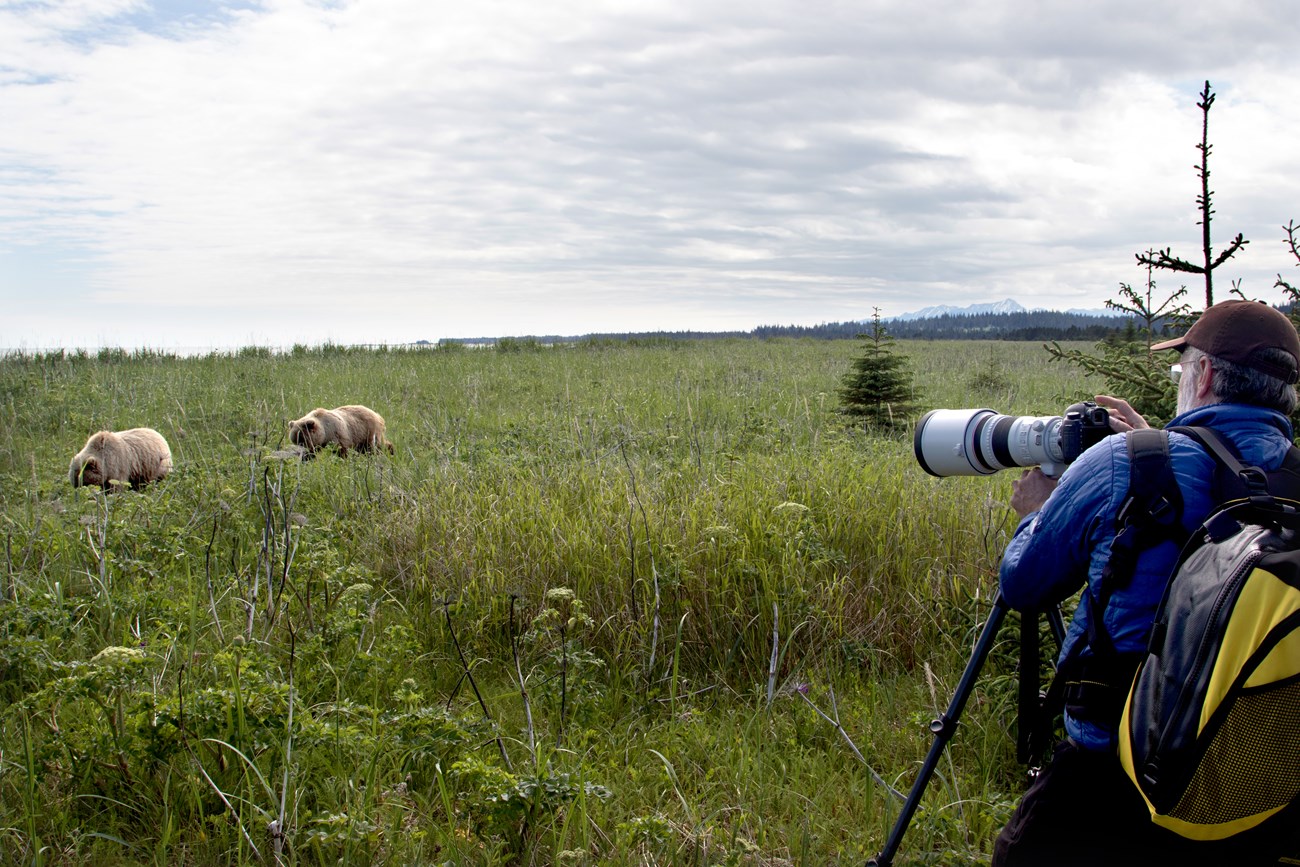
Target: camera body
(979, 442)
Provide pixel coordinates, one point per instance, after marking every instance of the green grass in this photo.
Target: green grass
(323, 659)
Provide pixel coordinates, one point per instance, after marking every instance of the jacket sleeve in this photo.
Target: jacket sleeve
(1049, 556)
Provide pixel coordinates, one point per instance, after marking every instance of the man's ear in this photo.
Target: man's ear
(1204, 380)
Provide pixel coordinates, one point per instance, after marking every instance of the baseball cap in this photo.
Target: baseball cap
(1236, 331)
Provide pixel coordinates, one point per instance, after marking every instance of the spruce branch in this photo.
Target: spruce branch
(1142, 305)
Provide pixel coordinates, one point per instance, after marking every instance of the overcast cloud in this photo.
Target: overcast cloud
(204, 174)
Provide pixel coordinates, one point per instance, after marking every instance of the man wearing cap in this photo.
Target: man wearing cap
(1236, 373)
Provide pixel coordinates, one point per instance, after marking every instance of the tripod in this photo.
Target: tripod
(946, 726)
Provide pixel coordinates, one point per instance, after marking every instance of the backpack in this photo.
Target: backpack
(1210, 728)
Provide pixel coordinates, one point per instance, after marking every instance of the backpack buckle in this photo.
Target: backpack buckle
(1221, 526)
(1164, 512)
(1256, 482)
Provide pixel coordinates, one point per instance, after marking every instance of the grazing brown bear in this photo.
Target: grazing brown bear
(135, 457)
(348, 427)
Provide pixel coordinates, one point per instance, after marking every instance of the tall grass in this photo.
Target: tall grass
(358, 660)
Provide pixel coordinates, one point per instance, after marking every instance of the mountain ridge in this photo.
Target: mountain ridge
(1006, 305)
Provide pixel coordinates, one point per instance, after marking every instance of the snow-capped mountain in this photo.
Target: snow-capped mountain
(1095, 311)
(1005, 306)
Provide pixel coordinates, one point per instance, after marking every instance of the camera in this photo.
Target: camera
(979, 442)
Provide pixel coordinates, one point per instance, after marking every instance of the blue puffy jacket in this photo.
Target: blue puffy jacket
(1056, 550)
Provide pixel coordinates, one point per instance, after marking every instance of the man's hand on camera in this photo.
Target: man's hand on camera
(1123, 417)
(1030, 491)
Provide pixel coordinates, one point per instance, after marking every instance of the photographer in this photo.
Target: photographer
(1236, 372)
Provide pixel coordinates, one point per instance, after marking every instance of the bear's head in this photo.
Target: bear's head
(88, 474)
(307, 432)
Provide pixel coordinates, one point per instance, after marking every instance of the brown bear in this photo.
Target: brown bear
(135, 457)
(347, 427)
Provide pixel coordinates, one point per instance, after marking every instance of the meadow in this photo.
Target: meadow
(634, 603)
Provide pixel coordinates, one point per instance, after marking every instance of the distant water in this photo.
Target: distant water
(181, 351)
(200, 351)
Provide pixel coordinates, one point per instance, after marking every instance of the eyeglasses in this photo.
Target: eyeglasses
(1175, 371)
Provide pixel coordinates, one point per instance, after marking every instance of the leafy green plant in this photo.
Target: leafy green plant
(564, 668)
(513, 806)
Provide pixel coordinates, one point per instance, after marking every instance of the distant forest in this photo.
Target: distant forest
(1024, 325)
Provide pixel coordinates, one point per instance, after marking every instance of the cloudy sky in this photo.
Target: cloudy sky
(182, 173)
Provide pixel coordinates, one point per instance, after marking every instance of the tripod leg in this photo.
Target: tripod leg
(1038, 710)
(943, 728)
(1029, 700)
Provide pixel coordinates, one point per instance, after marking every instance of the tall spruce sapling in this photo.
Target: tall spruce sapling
(879, 388)
(1209, 261)
(1130, 369)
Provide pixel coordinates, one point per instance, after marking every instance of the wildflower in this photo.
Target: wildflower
(117, 657)
(719, 533)
(361, 588)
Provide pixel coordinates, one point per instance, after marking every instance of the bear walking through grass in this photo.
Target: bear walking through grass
(133, 457)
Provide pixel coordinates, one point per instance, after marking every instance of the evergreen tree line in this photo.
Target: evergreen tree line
(1023, 325)
(1026, 325)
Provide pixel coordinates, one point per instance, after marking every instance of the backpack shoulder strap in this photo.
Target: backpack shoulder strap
(1150, 513)
(1152, 488)
(1235, 481)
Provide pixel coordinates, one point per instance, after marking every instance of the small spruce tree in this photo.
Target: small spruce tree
(879, 388)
